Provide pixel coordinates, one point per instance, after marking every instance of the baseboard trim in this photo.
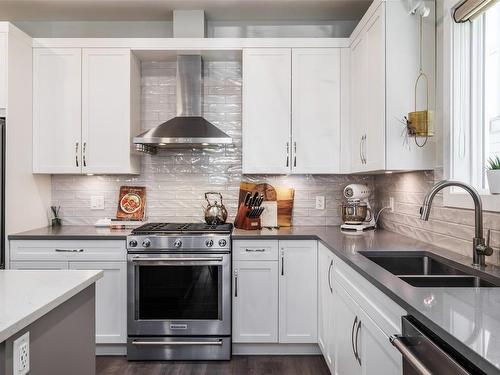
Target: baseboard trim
(276, 349)
(111, 349)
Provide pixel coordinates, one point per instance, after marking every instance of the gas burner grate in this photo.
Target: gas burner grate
(165, 228)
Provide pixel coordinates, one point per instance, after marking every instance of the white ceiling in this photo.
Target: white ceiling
(215, 10)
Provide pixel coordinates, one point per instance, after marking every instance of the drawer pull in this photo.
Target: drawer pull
(255, 250)
(69, 250)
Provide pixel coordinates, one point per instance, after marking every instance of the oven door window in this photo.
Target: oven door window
(187, 292)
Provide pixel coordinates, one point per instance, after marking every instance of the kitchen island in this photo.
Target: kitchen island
(57, 308)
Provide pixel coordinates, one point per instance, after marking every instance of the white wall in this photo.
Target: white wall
(164, 29)
(27, 196)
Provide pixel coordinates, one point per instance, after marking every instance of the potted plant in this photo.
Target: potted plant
(493, 174)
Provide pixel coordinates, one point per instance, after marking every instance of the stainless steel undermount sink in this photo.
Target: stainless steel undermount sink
(421, 269)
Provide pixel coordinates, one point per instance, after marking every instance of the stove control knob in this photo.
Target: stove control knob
(178, 243)
(209, 243)
(146, 243)
(132, 243)
(222, 243)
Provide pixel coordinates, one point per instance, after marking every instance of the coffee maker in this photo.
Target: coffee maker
(357, 213)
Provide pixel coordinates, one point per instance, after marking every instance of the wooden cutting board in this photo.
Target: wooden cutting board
(283, 196)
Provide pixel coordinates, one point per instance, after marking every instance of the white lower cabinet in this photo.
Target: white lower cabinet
(298, 296)
(111, 300)
(111, 289)
(255, 301)
(275, 293)
(346, 319)
(326, 308)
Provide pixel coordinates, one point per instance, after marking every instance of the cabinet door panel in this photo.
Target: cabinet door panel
(255, 301)
(298, 285)
(346, 319)
(106, 114)
(377, 355)
(374, 148)
(57, 110)
(266, 110)
(111, 300)
(316, 110)
(326, 331)
(357, 102)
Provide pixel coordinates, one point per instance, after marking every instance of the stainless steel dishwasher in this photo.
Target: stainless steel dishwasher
(426, 355)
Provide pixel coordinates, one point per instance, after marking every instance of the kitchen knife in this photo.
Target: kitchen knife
(247, 198)
(261, 199)
(255, 196)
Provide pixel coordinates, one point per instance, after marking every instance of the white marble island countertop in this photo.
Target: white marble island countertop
(27, 295)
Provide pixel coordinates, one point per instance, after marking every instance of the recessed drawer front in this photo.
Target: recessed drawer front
(67, 250)
(255, 250)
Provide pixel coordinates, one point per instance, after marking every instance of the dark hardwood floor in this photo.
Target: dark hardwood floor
(239, 365)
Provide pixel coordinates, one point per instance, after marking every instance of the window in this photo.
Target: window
(475, 100)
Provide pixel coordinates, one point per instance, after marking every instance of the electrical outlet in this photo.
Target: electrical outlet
(97, 202)
(21, 359)
(320, 202)
(391, 204)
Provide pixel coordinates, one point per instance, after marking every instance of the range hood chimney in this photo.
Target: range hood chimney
(188, 129)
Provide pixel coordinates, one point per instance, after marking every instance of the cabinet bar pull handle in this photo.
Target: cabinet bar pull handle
(69, 250)
(282, 263)
(364, 149)
(236, 283)
(329, 276)
(294, 154)
(352, 337)
(84, 158)
(361, 150)
(287, 154)
(356, 341)
(255, 250)
(76, 153)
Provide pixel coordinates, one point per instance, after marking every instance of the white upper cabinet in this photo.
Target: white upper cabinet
(57, 102)
(266, 110)
(383, 70)
(291, 110)
(107, 123)
(298, 286)
(86, 108)
(3, 70)
(316, 110)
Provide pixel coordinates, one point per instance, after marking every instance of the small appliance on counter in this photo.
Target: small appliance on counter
(357, 214)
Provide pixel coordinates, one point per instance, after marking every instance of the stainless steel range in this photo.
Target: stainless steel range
(179, 292)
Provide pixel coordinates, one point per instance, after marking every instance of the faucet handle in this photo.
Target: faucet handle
(487, 249)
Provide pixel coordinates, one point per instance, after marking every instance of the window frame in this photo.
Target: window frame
(462, 80)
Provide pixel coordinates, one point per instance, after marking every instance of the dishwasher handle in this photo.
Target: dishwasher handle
(409, 356)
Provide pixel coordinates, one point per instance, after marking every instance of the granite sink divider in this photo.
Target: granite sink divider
(466, 318)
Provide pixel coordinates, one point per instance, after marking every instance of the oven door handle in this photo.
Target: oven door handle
(200, 259)
(173, 343)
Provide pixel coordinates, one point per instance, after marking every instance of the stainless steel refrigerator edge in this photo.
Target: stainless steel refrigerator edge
(2, 192)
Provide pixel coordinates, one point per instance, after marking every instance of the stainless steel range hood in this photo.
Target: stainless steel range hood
(189, 129)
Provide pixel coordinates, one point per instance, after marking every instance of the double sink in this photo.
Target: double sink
(422, 269)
